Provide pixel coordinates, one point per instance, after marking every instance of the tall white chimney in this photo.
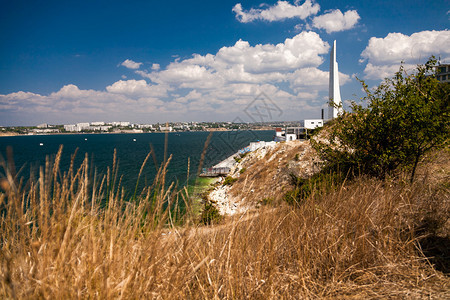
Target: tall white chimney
(334, 91)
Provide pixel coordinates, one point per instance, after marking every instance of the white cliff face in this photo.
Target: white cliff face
(264, 174)
(334, 90)
(221, 200)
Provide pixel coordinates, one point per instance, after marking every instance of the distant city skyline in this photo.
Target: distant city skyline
(65, 62)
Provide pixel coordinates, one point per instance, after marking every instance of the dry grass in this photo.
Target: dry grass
(267, 174)
(63, 236)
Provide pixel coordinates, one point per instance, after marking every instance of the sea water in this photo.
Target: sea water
(30, 152)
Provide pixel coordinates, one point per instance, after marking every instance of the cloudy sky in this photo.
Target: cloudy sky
(150, 61)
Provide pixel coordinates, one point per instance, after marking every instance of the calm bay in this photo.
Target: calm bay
(30, 152)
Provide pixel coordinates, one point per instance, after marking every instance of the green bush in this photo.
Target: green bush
(320, 183)
(237, 159)
(242, 155)
(266, 201)
(210, 214)
(292, 197)
(242, 170)
(229, 180)
(403, 119)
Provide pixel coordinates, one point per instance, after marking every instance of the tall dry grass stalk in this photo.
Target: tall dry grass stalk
(62, 218)
(202, 157)
(62, 237)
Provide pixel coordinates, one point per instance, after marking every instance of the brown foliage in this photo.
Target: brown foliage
(359, 241)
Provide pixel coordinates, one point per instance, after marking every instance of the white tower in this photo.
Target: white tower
(334, 92)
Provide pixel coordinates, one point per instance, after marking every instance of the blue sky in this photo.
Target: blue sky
(142, 61)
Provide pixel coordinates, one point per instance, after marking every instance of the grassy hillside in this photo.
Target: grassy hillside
(70, 236)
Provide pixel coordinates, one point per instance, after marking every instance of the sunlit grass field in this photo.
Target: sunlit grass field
(66, 235)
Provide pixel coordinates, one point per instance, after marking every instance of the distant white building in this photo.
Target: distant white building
(78, 127)
(280, 134)
(70, 127)
(165, 128)
(97, 123)
(292, 134)
(443, 72)
(121, 124)
(105, 128)
(83, 126)
(295, 133)
(312, 123)
(145, 126)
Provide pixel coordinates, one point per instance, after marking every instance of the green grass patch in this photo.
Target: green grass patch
(229, 180)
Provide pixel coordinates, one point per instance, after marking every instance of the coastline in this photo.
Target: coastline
(2, 134)
(271, 166)
(198, 189)
(10, 134)
(220, 196)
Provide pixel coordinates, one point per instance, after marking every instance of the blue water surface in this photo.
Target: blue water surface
(30, 152)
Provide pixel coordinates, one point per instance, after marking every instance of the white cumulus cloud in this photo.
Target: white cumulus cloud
(280, 11)
(303, 49)
(384, 55)
(72, 104)
(136, 88)
(336, 21)
(215, 86)
(244, 63)
(128, 63)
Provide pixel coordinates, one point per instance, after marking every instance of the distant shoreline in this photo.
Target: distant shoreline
(10, 134)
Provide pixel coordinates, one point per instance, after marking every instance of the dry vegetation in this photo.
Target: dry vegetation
(267, 171)
(63, 236)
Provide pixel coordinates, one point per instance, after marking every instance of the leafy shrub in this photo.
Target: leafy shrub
(320, 183)
(242, 170)
(237, 159)
(266, 201)
(210, 214)
(291, 197)
(242, 155)
(405, 117)
(229, 180)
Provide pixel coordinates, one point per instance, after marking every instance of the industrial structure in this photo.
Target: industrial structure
(334, 107)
